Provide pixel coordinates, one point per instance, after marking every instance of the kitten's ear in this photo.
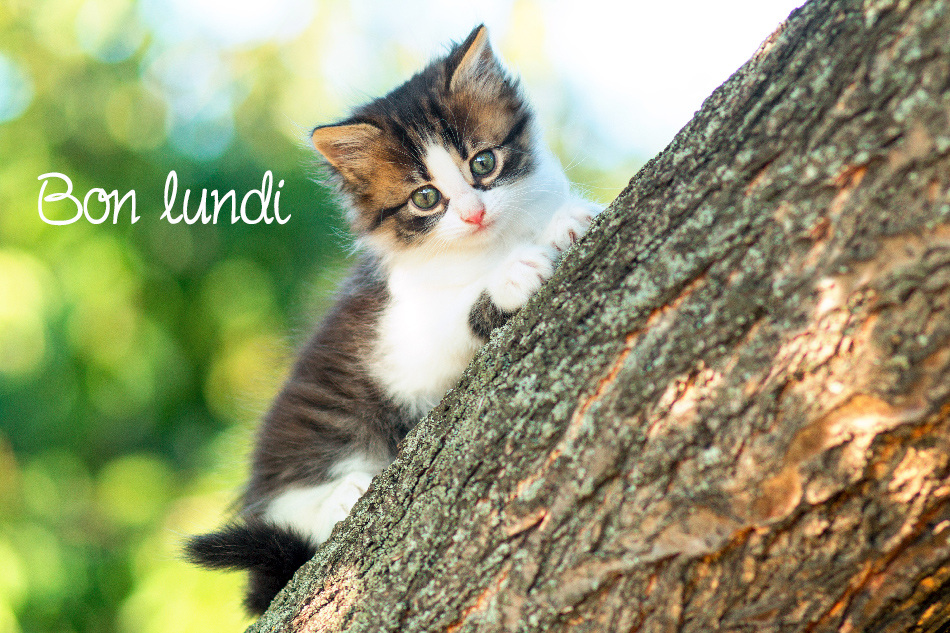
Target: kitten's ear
(346, 144)
(473, 59)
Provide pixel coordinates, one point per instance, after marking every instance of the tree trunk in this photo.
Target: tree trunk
(730, 408)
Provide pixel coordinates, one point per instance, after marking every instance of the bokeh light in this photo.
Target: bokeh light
(16, 89)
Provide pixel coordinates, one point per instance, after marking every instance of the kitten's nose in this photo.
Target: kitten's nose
(474, 213)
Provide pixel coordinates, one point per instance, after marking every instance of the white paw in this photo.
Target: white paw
(520, 276)
(344, 494)
(569, 223)
(315, 510)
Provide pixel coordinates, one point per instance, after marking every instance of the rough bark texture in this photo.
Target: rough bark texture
(730, 409)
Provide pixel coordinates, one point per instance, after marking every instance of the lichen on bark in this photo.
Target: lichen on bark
(730, 408)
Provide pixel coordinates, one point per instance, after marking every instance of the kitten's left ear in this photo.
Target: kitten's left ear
(473, 58)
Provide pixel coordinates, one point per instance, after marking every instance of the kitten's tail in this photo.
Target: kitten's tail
(269, 552)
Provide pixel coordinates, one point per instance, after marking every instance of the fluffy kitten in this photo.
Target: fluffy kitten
(460, 212)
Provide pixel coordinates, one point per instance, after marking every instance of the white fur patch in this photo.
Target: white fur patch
(425, 341)
(521, 275)
(314, 510)
(447, 176)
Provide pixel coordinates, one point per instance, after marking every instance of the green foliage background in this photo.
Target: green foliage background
(135, 359)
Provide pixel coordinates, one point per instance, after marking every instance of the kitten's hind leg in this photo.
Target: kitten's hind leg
(314, 510)
(272, 546)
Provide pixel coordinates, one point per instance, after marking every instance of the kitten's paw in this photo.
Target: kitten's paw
(569, 223)
(344, 494)
(520, 276)
(313, 511)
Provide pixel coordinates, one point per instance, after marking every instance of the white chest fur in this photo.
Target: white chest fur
(424, 338)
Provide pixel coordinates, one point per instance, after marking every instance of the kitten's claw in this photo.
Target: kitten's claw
(569, 223)
(520, 276)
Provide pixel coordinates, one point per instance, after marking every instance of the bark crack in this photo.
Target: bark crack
(876, 568)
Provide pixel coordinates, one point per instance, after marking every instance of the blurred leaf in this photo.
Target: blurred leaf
(134, 490)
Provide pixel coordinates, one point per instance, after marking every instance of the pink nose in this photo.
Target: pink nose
(474, 214)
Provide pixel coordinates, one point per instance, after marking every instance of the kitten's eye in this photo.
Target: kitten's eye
(426, 197)
(483, 163)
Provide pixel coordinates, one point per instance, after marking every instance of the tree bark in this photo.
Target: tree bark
(730, 408)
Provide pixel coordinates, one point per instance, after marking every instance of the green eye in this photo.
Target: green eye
(425, 197)
(483, 163)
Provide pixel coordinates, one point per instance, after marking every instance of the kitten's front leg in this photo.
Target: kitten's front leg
(520, 275)
(510, 286)
(526, 269)
(569, 223)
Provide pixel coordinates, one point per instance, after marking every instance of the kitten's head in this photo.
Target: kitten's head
(441, 161)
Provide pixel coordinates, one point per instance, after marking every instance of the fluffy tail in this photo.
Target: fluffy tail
(270, 553)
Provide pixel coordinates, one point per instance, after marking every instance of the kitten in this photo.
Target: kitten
(460, 212)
